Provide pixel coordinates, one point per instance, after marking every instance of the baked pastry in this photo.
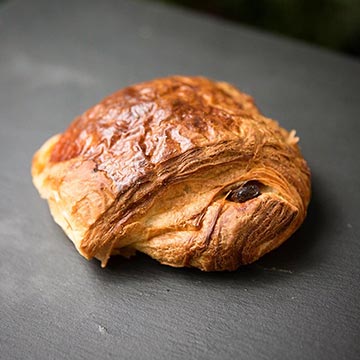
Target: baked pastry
(183, 169)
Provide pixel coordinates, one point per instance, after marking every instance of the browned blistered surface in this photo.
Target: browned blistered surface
(150, 168)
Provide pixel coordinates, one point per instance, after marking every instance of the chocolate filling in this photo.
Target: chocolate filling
(249, 190)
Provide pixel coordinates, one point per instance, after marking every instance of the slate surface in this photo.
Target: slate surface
(299, 302)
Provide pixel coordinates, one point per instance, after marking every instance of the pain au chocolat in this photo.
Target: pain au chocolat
(183, 169)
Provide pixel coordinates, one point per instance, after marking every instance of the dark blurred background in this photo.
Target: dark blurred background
(334, 24)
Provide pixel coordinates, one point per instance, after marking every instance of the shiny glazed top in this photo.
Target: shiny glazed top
(132, 131)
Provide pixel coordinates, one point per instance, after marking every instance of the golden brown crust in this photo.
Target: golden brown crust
(150, 168)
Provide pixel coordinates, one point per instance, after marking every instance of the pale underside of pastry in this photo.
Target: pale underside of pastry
(183, 169)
